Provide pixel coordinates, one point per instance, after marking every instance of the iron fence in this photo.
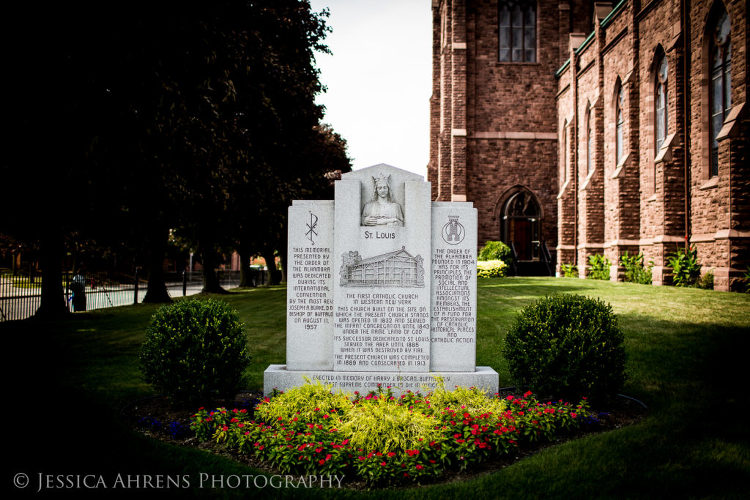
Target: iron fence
(21, 295)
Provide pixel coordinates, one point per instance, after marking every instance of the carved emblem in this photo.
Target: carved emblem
(311, 226)
(453, 231)
(393, 269)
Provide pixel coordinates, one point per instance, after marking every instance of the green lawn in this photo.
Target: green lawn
(687, 356)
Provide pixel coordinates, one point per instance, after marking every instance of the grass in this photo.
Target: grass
(687, 351)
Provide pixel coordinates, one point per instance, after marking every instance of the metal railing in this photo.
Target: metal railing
(514, 259)
(547, 259)
(21, 295)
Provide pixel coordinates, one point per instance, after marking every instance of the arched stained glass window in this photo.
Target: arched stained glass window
(720, 92)
(660, 102)
(620, 125)
(517, 31)
(589, 144)
(565, 154)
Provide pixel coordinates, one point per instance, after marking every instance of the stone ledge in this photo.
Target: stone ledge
(277, 376)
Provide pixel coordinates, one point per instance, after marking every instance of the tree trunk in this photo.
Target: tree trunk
(209, 260)
(273, 274)
(246, 277)
(157, 287)
(53, 300)
(283, 277)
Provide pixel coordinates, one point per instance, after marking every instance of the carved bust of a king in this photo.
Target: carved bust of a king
(382, 210)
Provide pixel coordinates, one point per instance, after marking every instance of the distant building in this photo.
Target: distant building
(587, 128)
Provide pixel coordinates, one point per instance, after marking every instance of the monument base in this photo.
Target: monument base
(278, 377)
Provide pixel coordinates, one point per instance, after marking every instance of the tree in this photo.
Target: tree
(151, 117)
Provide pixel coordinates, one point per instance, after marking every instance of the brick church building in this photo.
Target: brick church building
(579, 128)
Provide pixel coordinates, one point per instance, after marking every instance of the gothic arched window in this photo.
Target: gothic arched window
(620, 125)
(589, 143)
(720, 92)
(565, 153)
(660, 102)
(517, 31)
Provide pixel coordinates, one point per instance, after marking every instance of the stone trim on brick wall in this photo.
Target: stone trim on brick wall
(620, 166)
(588, 179)
(722, 234)
(534, 136)
(665, 153)
(731, 124)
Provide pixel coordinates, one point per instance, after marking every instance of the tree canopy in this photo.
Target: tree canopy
(130, 122)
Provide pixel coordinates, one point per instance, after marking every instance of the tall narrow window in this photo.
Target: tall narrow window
(589, 144)
(720, 95)
(620, 126)
(660, 103)
(564, 162)
(517, 31)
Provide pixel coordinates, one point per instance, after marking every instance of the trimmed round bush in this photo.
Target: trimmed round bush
(194, 350)
(567, 346)
(495, 250)
(491, 268)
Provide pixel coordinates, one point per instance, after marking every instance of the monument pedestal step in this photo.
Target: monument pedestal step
(278, 377)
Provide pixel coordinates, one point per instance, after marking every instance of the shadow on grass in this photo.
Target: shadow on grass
(689, 369)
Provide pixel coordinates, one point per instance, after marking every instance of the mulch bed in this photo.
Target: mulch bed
(158, 418)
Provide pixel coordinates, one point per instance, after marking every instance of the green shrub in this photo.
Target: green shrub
(491, 269)
(567, 345)
(706, 281)
(685, 267)
(746, 281)
(378, 424)
(195, 349)
(598, 267)
(635, 272)
(495, 250)
(380, 439)
(569, 270)
(304, 402)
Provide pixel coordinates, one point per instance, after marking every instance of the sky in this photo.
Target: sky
(379, 79)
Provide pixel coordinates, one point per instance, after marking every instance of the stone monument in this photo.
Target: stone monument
(381, 288)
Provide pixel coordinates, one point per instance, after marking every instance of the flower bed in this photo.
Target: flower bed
(383, 439)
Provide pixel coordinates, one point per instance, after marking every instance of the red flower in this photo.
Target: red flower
(382, 464)
(573, 415)
(419, 467)
(318, 450)
(321, 461)
(328, 457)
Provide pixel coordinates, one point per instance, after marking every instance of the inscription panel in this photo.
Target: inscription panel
(309, 323)
(382, 285)
(454, 287)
